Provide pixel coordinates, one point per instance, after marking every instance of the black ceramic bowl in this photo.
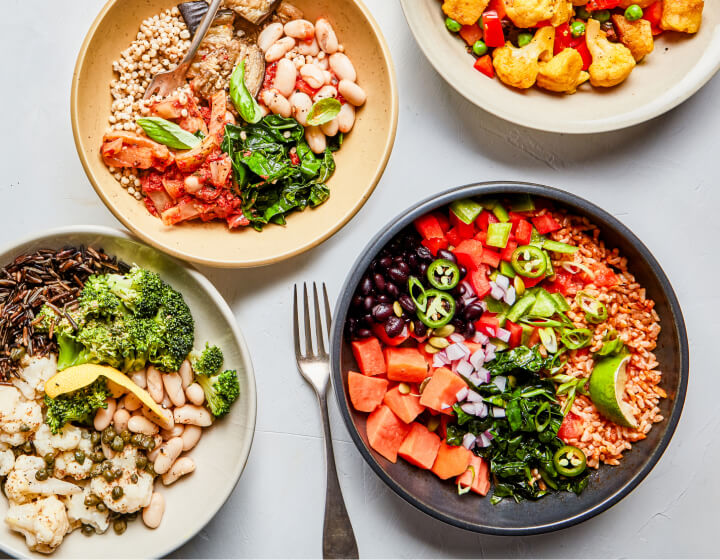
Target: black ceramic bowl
(608, 485)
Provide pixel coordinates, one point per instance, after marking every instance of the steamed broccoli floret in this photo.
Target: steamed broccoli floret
(97, 300)
(208, 361)
(140, 290)
(221, 391)
(79, 406)
(173, 333)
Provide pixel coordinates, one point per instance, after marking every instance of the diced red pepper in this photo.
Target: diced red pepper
(492, 29)
(487, 324)
(544, 23)
(605, 278)
(497, 6)
(485, 219)
(465, 231)
(508, 251)
(443, 220)
(471, 33)
(571, 427)
(303, 86)
(482, 237)
(516, 332)
(469, 254)
(594, 5)
(434, 244)
(515, 217)
(480, 282)
(563, 38)
(564, 283)
(453, 237)
(523, 232)
(428, 226)
(545, 224)
(653, 13)
(484, 65)
(491, 258)
(582, 48)
(532, 282)
(379, 331)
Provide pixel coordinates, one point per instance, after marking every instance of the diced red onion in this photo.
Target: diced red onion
(501, 382)
(498, 412)
(475, 379)
(469, 441)
(480, 338)
(482, 441)
(456, 337)
(489, 353)
(483, 375)
(465, 368)
(477, 359)
(474, 397)
(454, 352)
(468, 408)
(510, 296)
(462, 394)
(503, 282)
(488, 434)
(438, 361)
(475, 409)
(502, 334)
(496, 292)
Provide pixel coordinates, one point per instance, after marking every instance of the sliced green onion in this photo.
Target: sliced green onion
(559, 247)
(540, 322)
(575, 339)
(612, 344)
(595, 310)
(548, 338)
(575, 268)
(540, 424)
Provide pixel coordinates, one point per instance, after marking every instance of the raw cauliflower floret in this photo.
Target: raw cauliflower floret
(65, 440)
(528, 13)
(7, 460)
(635, 35)
(31, 379)
(136, 495)
(682, 15)
(465, 12)
(43, 523)
(519, 67)
(21, 485)
(563, 12)
(612, 63)
(80, 514)
(18, 418)
(67, 466)
(563, 73)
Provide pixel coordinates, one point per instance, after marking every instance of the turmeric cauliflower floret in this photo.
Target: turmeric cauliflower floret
(18, 418)
(7, 461)
(67, 439)
(528, 13)
(682, 15)
(612, 63)
(465, 12)
(635, 35)
(519, 67)
(563, 12)
(563, 73)
(43, 523)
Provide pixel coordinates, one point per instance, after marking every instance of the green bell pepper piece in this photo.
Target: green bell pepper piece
(544, 305)
(498, 234)
(521, 307)
(522, 203)
(466, 209)
(506, 269)
(561, 304)
(495, 306)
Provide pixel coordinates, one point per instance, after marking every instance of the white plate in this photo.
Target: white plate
(224, 448)
(680, 65)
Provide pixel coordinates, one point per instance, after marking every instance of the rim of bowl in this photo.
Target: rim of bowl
(224, 308)
(579, 127)
(505, 187)
(223, 263)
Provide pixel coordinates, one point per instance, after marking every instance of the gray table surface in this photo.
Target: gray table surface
(658, 178)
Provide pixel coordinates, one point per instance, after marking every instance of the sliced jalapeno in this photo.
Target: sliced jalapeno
(439, 311)
(569, 460)
(575, 339)
(595, 310)
(529, 261)
(443, 274)
(417, 293)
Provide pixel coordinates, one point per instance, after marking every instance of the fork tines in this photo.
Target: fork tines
(321, 331)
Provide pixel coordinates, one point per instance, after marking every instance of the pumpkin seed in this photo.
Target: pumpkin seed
(519, 285)
(439, 342)
(433, 424)
(424, 384)
(397, 308)
(431, 349)
(443, 331)
(404, 389)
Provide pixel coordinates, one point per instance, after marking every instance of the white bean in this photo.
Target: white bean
(315, 139)
(301, 104)
(131, 402)
(308, 49)
(264, 111)
(153, 513)
(325, 92)
(176, 431)
(139, 377)
(195, 394)
(166, 402)
(107, 450)
(323, 63)
(191, 437)
(169, 452)
(285, 77)
(104, 416)
(120, 420)
(328, 77)
(279, 49)
(269, 36)
(326, 38)
(152, 455)
(346, 118)
(186, 374)
(300, 29)
(313, 75)
(155, 384)
(330, 128)
(352, 92)
(191, 414)
(138, 424)
(173, 388)
(343, 67)
(181, 467)
(277, 102)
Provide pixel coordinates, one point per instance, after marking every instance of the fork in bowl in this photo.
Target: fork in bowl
(338, 536)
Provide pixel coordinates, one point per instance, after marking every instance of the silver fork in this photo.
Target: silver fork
(165, 83)
(338, 536)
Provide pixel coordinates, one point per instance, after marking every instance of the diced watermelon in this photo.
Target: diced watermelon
(487, 324)
(451, 461)
(484, 219)
(480, 282)
(491, 258)
(507, 253)
(465, 231)
(515, 333)
(523, 232)
(366, 393)
(379, 331)
(386, 432)
(478, 479)
(369, 356)
(545, 224)
(420, 447)
(406, 407)
(434, 244)
(406, 364)
(428, 226)
(440, 392)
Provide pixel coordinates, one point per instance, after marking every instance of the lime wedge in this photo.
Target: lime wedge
(607, 387)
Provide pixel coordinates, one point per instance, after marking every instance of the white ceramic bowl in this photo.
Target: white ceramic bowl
(680, 65)
(224, 448)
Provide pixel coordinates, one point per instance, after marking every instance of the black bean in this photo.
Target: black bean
(394, 326)
(382, 311)
(363, 333)
(413, 261)
(463, 271)
(420, 328)
(469, 331)
(366, 286)
(473, 311)
(397, 274)
(379, 281)
(383, 298)
(357, 301)
(422, 269)
(447, 255)
(369, 303)
(407, 303)
(368, 320)
(424, 253)
(392, 290)
(385, 263)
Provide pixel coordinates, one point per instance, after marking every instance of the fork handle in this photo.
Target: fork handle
(338, 536)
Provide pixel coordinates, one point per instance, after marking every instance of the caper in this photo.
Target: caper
(117, 493)
(134, 478)
(119, 526)
(150, 470)
(117, 473)
(125, 435)
(145, 442)
(27, 447)
(24, 428)
(87, 530)
(41, 474)
(97, 457)
(101, 507)
(136, 440)
(96, 471)
(95, 438)
(17, 353)
(80, 456)
(132, 516)
(117, 444)
(108, 434)
(141, 462)
(151, 444)
(91, 500)
(108, 475)
(49, 459)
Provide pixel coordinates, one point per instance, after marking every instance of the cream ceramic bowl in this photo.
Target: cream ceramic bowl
(680, 65)
(360, 163)
(223, 450)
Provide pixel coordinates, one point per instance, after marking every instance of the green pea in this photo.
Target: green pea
(119, 526)
(582, 13)
(117, 493)
(41, 474)
(452, 25)
(601, 15)
(80, 457)
(577, 28)
(480, 48)
(524, 39)
(633, 13)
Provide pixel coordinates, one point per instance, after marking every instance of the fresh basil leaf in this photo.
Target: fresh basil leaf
(168, 133)
(324, 111)
(241, 98)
